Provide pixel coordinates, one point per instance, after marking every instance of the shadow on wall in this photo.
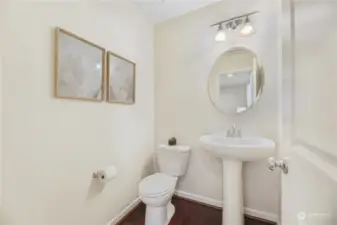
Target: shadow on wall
(148, 167)
(96, 187)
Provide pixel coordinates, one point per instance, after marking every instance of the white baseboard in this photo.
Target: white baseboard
(199, 198)
(262, 215)
(218, 203)
(124, 212)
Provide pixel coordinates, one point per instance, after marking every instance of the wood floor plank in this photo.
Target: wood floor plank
(187, 213)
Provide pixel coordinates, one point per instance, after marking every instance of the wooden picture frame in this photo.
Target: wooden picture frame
(80, 67)
(121, 79)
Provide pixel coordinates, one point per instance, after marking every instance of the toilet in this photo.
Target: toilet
(156, 190)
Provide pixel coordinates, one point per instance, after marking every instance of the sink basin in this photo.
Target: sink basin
(233, 152)
(241, 149)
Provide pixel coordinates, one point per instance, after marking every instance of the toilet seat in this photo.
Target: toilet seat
(156, 185)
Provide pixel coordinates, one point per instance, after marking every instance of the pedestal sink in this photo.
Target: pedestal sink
(233, 152)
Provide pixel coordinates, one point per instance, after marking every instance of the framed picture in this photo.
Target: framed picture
(121, 80)
(79, 68)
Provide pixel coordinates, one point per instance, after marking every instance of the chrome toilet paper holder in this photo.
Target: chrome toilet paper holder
(95, 175)
(105, 174)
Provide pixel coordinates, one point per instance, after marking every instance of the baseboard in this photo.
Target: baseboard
(218, 204)
(262, 215)
(128, 209)
(199, 199)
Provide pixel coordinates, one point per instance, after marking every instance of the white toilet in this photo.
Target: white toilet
(156, 191)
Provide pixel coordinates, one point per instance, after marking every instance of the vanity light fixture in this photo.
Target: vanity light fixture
(233, 24)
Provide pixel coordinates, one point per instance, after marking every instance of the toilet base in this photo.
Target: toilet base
(170, 212)
(159, 215)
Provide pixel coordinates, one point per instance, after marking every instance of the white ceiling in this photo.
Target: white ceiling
(161, 10)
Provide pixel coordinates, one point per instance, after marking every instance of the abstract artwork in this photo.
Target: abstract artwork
(79, 68)
(121, 79)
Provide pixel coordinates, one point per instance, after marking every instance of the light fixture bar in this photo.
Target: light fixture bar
(235, 18)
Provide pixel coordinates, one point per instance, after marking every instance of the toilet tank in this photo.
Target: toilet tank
(173, 160)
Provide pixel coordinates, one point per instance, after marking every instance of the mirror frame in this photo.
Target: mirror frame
(261, 68)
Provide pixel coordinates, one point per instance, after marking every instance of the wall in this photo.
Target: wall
(185, 52)
(53, 146)
(2, 22)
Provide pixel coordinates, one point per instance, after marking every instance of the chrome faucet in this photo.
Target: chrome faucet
(233, 132)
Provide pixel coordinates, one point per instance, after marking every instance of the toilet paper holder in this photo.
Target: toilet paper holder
(106, 174)
(95, 175)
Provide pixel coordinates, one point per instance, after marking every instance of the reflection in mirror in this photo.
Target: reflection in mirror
(236, 81)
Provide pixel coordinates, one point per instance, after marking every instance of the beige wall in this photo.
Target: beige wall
(52, 146)
(185, 52)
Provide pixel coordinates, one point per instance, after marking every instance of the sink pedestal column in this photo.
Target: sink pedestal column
(233, 212)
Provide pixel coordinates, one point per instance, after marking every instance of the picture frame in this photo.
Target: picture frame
(80, 67)
(121, 79)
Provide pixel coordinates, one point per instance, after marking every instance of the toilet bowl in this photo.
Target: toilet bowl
(156, 190)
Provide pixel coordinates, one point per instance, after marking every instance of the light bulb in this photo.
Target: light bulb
(248, 29)
(220, 34)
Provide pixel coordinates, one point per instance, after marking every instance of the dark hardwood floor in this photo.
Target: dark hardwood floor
(187, 213)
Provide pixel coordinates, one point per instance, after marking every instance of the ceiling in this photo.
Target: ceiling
(161, 10)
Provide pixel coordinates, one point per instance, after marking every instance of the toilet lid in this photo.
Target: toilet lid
(157, 184)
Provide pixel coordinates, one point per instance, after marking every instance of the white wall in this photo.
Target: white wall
(185, 52)
(52, 146)
(2, 22)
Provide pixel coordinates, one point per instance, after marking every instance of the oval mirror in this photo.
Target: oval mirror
(236, 81)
